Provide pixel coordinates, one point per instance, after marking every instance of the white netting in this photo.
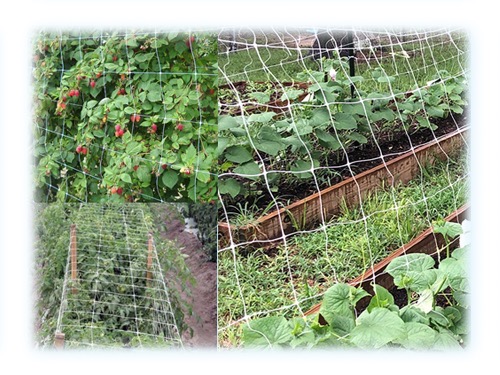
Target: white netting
(118, 296)
(303, 110)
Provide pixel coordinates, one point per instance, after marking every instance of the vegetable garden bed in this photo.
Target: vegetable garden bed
(323, 205)
(293, 275)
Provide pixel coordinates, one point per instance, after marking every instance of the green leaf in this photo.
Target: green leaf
(189, 157)
(385, 79)
(154, 96)
(264, 117)
(377, 328)
(238, 154)
(344, 121)
(170, 178)
(125, 177)
(203, 176)
(448, 229)
(320, 116)
(227, 122)
(267, 332)
(249, 170)
(260, 97)
(91, 104)
(301, 168)
(418, 336)
(413, 271)
(382, 298)
(360, 138)
(229, 186)
(133, 148)
(143, 173)
(291, 94)
(222, 143)
(338, 301)
(328, 140)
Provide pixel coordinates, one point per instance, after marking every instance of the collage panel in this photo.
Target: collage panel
(344, 182)
(125, 116)
(110, 276)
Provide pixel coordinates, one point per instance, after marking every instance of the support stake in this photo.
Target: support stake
(59, 340)
(74, 270)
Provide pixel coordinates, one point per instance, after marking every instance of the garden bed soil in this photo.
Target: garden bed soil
(203, 299)
(360, 160)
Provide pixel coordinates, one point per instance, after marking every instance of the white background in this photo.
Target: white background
(19, 22)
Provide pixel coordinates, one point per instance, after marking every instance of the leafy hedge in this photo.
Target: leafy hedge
(129, 116)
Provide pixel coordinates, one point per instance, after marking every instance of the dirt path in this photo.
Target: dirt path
(203, 300)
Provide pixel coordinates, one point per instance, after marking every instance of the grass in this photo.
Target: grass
(292, 278)
(412, 63)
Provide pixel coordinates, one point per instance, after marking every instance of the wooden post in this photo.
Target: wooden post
(74, 270)
(150, 258)
(59, 340)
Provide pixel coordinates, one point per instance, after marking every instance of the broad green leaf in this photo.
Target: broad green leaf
(227, 122)
(338, 301)
(385, 79)
(203, 176)
(91, 104)
(410, 262)
(267, 332)
(222, 143)
(291, 94)
(170, 178)
(360, 138)
(154, 96)
(418, 336)
(264, 117)
(377, 328)
(328, 140)
(382, 298)
(126, 178)
(249, 170)
(260, 97)
(189, 156)
(344, 121)
(229, 186)
(143, 173)
(133, 148)
(446, 340)
(320, 116)
(238, 154)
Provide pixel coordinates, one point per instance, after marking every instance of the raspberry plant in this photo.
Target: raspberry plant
(140, 104)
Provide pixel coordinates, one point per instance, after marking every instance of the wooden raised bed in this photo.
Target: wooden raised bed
(426, 242)
(322, 206)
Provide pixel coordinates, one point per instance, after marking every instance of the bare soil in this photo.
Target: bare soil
(203, 298)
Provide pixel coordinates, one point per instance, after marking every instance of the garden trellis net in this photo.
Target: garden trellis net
(126, 115)
(303, 110)
(114, 292)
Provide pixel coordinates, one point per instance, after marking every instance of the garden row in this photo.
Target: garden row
(109, 288)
